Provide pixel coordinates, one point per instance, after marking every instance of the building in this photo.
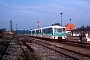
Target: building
(69, 27)
(79, 31)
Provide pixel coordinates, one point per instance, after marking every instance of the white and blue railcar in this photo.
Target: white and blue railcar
(39, 32)
(54, 32)
(30, 32)
(33, 32)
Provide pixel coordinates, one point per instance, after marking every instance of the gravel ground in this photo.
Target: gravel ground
(3, 46)
(14, 52)
(47, 54)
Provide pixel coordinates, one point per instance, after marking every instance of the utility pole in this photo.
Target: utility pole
(16, 26)
(11, 25)
(70, 24)
(61, 18)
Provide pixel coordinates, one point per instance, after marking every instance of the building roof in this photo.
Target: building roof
(68, 26)
(81, 29)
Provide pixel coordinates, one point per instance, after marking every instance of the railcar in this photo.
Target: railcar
(52, 32)
(39, 32)
(34, 32)
(30, 32)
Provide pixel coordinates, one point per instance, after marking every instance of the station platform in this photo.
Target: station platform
(71, 38)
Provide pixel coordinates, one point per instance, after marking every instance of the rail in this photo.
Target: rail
(26, 58)
(73, 54)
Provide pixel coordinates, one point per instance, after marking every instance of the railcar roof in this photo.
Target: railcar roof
(36, 29)
(54, 27)
(49, 27)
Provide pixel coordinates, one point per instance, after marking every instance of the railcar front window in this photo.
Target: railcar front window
(59, 30)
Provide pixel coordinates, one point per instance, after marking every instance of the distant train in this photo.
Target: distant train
(52, 32)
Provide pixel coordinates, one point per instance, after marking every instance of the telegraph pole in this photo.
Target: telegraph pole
(38, 24)
(70, 27)
(11, 25)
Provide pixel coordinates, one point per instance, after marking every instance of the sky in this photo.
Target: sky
(26, 13)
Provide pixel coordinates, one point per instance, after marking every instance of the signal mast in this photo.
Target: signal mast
(38, 24)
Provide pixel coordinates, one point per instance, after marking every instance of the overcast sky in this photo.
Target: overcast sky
(26, 13)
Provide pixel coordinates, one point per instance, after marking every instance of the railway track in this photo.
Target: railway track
(15, 51)
(27, 43)
(69, 42)
(28, 51)
(76, 55)
(77, 44)
(26, 57)
(73, 54)
(46, 53)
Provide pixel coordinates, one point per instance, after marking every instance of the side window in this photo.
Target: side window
(47, 30)
(63, 29)
(33, 32)
(50, 30)
(30, 32)
(37, 31)
(42, 30)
